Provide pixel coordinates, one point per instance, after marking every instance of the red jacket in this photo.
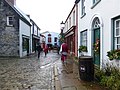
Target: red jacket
(46, 49)
(64, 47)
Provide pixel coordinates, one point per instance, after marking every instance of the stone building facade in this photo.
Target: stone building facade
(9, 37)
(10, 19)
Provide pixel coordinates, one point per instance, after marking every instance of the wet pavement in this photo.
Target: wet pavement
(28, 73)
(46, 73)
(68, 78)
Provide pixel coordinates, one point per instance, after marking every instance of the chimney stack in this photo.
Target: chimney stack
(12, 2)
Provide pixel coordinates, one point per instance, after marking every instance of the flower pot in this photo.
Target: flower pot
(82, 53)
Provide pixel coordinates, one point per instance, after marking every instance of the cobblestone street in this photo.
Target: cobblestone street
(28, 73)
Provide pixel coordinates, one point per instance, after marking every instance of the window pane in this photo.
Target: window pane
(83, 7)
(55, 39)
(118, 40)
(55, 44)
(93, 1)
(10, 20)
(117, 32)
(24, 44)
(118, 46)
(117, 23)
(84, 38)
(74, 18)
(84, 43)
(49, 39)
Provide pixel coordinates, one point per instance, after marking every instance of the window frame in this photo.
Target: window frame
(24, 44)
(10, 22)
(55, 39)
(94, 3)
(69, 22)
(116, 36)
(55, 44)
(82, 8)
(49, 39)
(73, 17)
(83, 39)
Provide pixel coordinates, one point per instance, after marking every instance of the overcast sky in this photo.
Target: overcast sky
(47, 14)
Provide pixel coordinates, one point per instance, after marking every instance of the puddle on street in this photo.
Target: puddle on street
(46, 65)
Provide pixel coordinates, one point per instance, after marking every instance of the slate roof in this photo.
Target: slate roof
(19, 12)
(77, 1)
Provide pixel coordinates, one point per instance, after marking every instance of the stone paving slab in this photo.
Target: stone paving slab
(27, 73)
(69, 88)
(37, 74)
(69, 78)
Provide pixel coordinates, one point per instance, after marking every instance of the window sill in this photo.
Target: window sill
(10, 25)
(95, 4)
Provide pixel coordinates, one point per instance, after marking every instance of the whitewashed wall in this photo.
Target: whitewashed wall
(24, 29)
(67, 25)
(35, 30)
(53, 35)
(31, 32)
(105, 10)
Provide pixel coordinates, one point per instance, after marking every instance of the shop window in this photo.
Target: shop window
(24, 43)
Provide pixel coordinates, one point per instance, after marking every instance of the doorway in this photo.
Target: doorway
(96, 41)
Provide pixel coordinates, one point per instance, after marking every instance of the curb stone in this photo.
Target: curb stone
(56, 79)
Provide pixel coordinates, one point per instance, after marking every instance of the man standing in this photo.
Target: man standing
(39, 49)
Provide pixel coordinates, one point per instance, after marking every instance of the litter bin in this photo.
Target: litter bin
(86, 68)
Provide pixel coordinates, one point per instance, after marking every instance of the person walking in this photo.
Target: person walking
(39, 49)
(46, 50)
(64, 51)
(58, 49)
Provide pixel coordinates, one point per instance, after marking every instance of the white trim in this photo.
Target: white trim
(116, 36)
(8, 21)
(101, 36)
(69, 34)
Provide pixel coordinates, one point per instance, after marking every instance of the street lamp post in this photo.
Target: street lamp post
(62, 25)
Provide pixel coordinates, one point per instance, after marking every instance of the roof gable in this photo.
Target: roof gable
(19, 12)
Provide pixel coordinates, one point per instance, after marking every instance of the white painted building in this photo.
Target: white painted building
(24, 36)
(35, 36)
(42, 40)
(14, 30)
(18, 33)
(71, 30)
(52, 38)
(99, 20)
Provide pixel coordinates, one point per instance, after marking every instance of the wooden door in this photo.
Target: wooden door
(96, 56)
